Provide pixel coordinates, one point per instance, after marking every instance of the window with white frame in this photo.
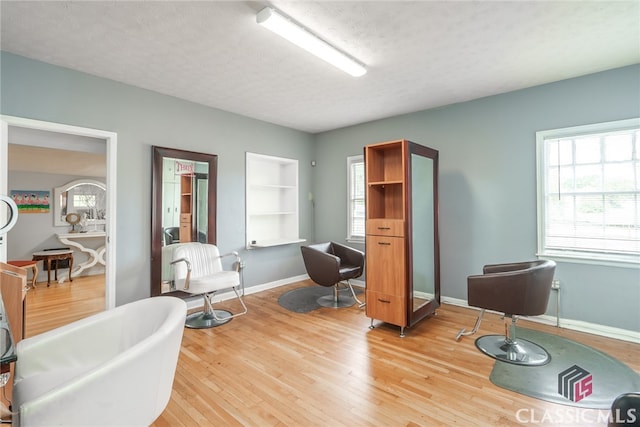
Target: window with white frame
(84, 201)
(355, 178)
(589, 192)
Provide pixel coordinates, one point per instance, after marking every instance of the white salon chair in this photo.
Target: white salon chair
(115, 368)
(197, 269)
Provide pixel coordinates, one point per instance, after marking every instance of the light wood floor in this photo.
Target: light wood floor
(272, 367)
(62, 303)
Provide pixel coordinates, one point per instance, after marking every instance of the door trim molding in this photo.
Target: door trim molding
(111, 139)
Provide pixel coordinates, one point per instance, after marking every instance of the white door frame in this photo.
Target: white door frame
(111, 139)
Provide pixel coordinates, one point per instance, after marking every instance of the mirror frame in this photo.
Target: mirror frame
(430, 307)
(58, 220)
(159, 153)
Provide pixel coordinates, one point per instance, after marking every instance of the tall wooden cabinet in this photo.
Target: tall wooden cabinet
(402, 254)
(186, 208)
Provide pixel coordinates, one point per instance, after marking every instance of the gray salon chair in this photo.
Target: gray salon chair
(332, 264)
(515, 289)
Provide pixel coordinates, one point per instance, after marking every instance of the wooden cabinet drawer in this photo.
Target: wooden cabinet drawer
(388, 308)
(386, 270)
(185, 232)
(185, 217)
(385, 227)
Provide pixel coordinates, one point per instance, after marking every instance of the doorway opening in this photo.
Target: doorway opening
(41, 155)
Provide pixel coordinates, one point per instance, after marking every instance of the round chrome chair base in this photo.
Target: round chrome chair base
(520, 352)
(202, 320)
(330, 301)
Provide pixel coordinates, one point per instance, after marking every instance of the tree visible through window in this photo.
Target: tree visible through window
(355, 174)
(589, 191)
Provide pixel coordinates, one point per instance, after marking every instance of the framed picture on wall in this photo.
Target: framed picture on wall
(31, 201)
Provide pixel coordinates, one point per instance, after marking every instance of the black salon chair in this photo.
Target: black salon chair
(625, 410)
(333, 264)
(171, 235)
(515, 289)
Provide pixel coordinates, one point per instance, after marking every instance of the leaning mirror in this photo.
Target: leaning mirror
(425, 262)
(85, 198)
(183, 209)
(422, 200)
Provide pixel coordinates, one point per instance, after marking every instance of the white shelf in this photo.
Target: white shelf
(271, 201)
(278, 242)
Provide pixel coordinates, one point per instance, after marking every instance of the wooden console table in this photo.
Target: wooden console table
(48, 256)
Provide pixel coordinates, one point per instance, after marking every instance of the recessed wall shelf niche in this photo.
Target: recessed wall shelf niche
(271, 201)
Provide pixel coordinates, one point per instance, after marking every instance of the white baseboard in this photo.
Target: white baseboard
(198, 302)
(575, 325)
(275, 284)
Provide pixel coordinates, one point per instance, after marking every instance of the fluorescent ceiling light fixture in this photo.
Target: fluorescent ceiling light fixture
(291, 31)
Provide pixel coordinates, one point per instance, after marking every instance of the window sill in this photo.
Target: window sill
(578, 258)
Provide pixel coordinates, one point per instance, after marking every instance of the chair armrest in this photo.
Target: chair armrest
(187, 279)
(91, 340)
(348, 255)
(513, 266)
(238, 261)
(111, 379)
(182, 260)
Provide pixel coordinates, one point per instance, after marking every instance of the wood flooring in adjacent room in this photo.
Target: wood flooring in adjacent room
(273, 367)
(62, 303)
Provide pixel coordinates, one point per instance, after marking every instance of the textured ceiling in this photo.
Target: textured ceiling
(419, 55)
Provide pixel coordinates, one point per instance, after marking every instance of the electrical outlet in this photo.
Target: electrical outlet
(555, 284)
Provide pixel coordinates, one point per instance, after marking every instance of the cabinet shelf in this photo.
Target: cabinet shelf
(186, 208)
(383, 183)
(271, 201)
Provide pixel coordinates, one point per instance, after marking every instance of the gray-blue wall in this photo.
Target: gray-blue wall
(488, 184)
(487, 172)
(37, 232)
(142, 118)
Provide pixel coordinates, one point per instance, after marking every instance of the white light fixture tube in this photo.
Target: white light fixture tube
(289, 30)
